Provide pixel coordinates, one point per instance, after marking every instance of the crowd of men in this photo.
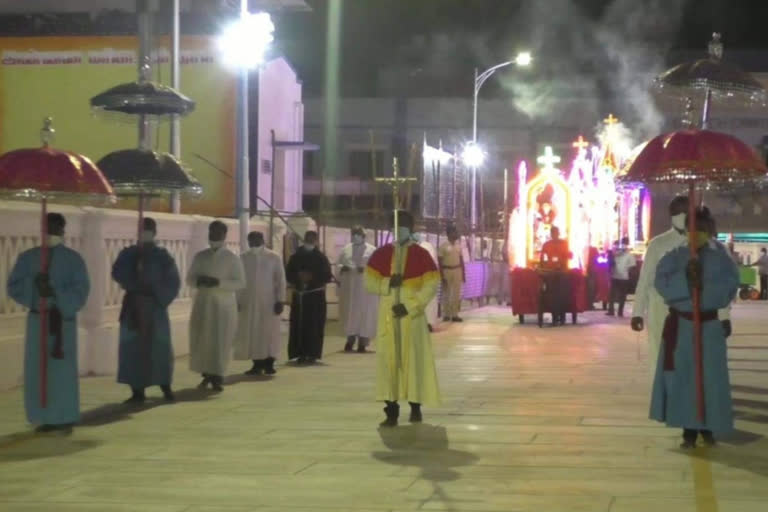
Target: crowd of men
(236, 312)
(387, 294)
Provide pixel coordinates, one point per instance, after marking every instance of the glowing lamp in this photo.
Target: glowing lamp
(244, 42)
(473, 155)
(523, 59)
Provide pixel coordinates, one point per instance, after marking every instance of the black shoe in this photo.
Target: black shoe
(392, 410)
(269, 366)
(430, 328)
(63, 429)
(311, 360)
(137, 398)
(258, 366)
(415, 416)
(168, 393)
(216, 383)
(456, 319)
(446, 319)
(349, 346)
(44, 429)
(204, 383)
(689, 439)
(301, 360)
(610, 313)
(708, 438)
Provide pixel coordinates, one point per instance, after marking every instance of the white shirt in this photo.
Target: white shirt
(622, 263)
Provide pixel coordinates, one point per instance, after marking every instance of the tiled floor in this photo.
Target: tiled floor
(534, 419)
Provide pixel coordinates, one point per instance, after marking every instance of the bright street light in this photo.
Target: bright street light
(523, 59)
(244, 42)
(243, 45)
(473, 155)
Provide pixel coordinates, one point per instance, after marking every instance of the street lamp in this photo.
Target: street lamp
(243, 45)
(473, 155)
(522, 59)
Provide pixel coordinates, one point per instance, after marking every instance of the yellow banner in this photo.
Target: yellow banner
(57, 76)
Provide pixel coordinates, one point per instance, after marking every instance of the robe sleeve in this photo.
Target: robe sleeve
(430, 280)
(292, 271)
(72, 289)
(671, 281)
(644, 282)
(193, 272)
(166, 289)
(124, 270)
(721, 282)
(235, 279)
(278, 280)
(376, 277)
(325, 275)
(21, 282)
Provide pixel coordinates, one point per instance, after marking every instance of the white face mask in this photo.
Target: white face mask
(678, 221)
(54, 240)
(216, 244)
(147, 237)
(358, 239)
(309, 247)
(403, 234)
(417, 237)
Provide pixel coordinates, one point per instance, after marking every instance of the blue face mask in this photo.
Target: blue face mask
(417, 237)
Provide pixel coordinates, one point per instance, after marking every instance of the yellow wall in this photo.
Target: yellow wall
(30, 92)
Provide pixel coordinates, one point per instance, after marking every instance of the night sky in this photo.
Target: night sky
(433, 45)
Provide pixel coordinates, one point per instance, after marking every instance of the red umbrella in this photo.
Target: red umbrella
(43, 174)
(696, 157)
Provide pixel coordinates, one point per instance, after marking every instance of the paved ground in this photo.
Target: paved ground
(534, 420)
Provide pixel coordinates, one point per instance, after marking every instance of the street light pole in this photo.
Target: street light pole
(241, 147)
(523, 59)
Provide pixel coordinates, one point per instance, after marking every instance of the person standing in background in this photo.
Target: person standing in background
(357, 308)
(762, 269)
(452, 274)
(217, 274)
(623, 261)
(259, 306)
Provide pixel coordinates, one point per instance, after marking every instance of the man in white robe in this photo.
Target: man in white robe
(649, 305)
(431, 311)
(260, 305)
(358, 309)
(217, 273)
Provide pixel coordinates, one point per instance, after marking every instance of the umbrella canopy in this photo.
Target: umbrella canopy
(696, 156)
(143, 98)
(724, 80)
(140, 171)
(47, 173)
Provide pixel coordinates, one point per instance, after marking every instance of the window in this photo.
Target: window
(361, 163)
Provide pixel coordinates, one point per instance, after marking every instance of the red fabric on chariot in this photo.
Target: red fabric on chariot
(525, 284)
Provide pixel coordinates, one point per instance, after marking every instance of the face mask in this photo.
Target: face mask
(216, 244)
(147, 237)
(417, 237)
(309, 247)
(403, 234)
(357, 239)
(678, 222)
(54, 240)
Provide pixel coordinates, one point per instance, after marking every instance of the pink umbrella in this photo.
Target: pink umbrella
(696, 157)
(43, 174)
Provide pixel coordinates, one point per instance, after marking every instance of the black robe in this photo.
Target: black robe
(308, 310)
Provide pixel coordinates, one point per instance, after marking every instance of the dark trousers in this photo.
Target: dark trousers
(556, 295)
(763, 286)
(619, 290)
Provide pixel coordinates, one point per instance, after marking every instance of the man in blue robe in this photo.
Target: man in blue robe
(149, 276)
(64, 286)
(674, 389)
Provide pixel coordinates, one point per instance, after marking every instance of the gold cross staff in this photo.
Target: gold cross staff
(395, 182)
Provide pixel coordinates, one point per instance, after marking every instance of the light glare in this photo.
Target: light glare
(473, 155)
(523, 59)
(244, 42)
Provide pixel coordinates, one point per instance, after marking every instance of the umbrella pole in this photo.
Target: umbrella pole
(696, 298)
(43, 307)
(705, 109)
